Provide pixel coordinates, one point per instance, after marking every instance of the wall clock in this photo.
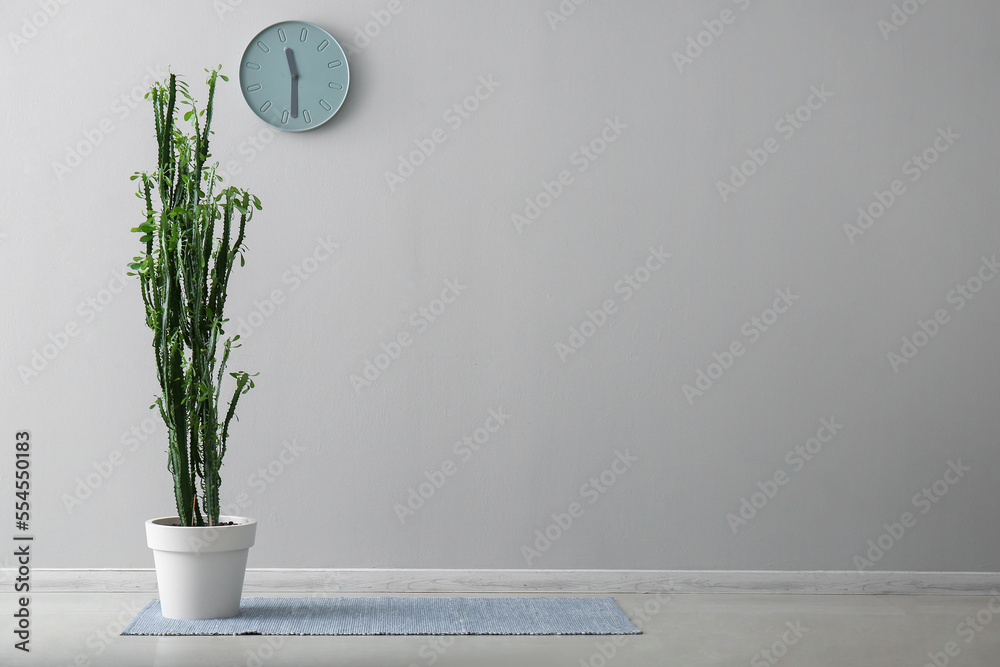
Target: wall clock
(294, 76)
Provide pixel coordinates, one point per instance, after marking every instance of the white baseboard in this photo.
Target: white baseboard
(279, 580)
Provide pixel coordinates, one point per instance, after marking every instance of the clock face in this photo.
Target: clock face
(294, 76)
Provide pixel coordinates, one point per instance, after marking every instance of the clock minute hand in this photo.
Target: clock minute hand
(295, 81)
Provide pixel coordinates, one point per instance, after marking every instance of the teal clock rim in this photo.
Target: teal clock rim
(347, 69)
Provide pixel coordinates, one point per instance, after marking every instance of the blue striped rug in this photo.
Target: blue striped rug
(401, 616)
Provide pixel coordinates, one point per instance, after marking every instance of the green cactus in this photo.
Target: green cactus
(184, 272)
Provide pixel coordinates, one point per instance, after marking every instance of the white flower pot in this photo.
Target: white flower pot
(199, 570)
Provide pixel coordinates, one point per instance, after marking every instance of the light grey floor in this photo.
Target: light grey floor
(82, 630)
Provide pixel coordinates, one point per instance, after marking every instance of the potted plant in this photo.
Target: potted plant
(192, 235)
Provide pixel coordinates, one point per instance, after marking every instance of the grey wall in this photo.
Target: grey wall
(323, 461)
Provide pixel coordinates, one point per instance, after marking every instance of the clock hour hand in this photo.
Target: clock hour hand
(295, 81)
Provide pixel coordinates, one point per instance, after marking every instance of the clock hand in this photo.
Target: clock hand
(291, 63)
(295, 81)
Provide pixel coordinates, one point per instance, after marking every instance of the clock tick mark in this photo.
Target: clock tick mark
(253, 65)
(336, 86)
(266, 106)
(334, 63)
(252, 87)
(306, 116)
(262, 46)
(326, 105)
(281, 34)
(284, 117)
(304, 35)
(322, 45)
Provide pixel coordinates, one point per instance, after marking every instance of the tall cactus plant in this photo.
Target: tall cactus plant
(191, 237)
